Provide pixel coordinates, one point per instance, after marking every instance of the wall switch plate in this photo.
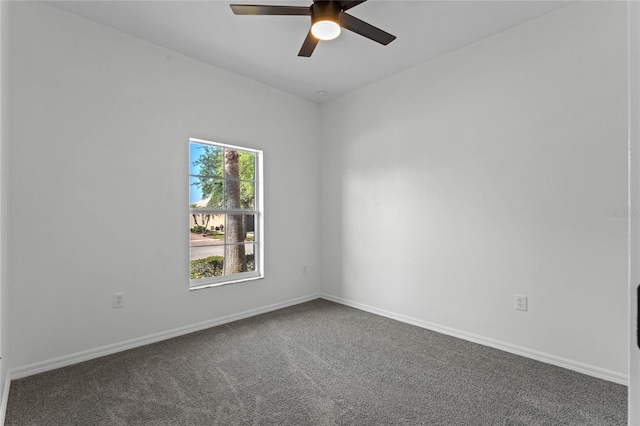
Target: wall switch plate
(304, 269)
(118, 300)
(521, 303)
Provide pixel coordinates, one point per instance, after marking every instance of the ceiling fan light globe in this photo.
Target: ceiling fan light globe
(325, 30)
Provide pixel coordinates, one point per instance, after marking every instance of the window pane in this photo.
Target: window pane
(209, 227)
(239, 258)
(205, 236)
(247, 164)
(207, 246)
(206, 267)
(247, 195)
(195, 193)
(248, 223)
(206, 192)
(205, 160)
(250, 255)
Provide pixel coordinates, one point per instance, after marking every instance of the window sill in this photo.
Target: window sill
(201, 286)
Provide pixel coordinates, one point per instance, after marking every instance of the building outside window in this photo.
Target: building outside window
(225, 214)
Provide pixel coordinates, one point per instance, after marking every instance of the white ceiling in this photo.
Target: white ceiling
(265, 48)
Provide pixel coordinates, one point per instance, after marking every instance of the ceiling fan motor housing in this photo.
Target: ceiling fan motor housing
(325, 11)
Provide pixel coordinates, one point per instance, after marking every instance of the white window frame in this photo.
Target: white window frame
(257, 212)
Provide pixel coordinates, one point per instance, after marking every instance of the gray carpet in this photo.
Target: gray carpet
(318, 363)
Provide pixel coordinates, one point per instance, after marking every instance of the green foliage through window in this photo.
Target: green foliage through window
(213, 266)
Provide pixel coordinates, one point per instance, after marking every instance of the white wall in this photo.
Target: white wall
(4, 163)
(100, 128)
(634, 206)
(453, 186)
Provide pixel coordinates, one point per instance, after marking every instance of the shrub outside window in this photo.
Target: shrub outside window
(225, 214)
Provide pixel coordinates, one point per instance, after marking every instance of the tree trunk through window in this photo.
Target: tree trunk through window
(234, 259)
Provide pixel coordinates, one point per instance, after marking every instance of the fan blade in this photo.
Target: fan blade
(308, 46)
(346, 5)
(352, 23)
(250, 9)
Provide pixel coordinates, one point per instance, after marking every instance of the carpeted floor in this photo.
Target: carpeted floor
(318, 363)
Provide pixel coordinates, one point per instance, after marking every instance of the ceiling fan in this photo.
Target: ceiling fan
(327, 18)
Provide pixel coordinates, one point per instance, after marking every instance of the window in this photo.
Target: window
(225, 214)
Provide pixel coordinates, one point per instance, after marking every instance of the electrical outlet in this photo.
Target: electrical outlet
(304, 269)
(118, 300)
(521, 303)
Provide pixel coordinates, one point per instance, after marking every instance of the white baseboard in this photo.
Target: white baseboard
(66, 360)
(590, 370)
